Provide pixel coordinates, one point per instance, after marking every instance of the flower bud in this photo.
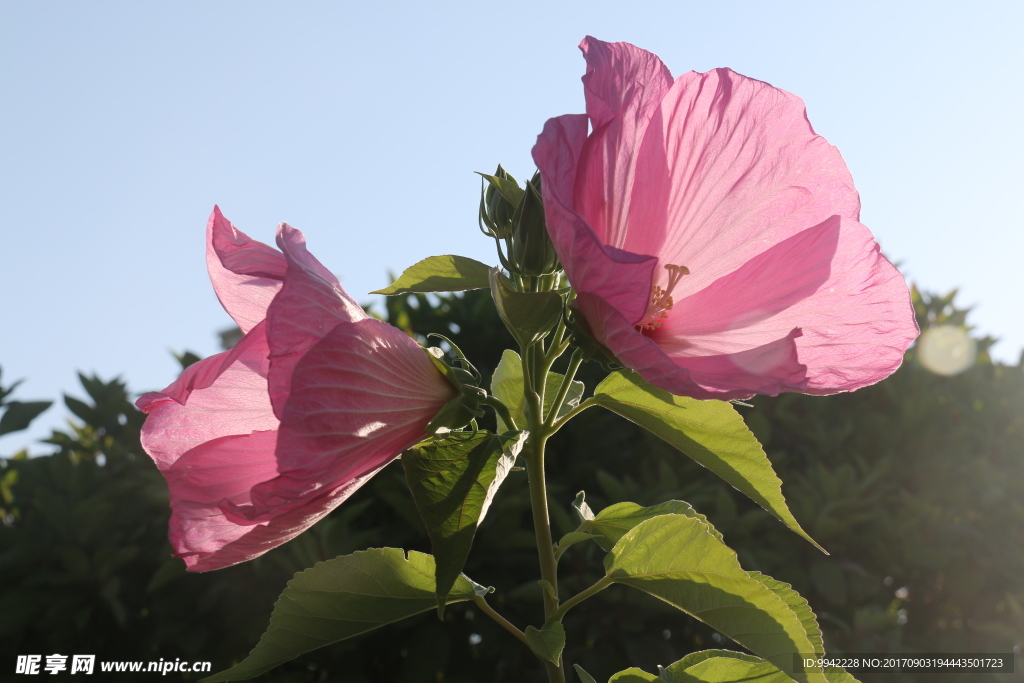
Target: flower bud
(498, 200)
(532, 251)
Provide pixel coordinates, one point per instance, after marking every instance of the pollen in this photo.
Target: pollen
(661, 300)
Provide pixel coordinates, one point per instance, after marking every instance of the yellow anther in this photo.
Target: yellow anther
(661, 299)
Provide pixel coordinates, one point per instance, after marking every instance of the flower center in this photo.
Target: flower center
(661, 300)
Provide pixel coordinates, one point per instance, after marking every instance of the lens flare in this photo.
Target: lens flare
(946, 350)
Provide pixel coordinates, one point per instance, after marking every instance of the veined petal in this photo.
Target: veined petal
(359, 397)
(832, 282)
(770, 368)
(246, 274)
(221, 473)
(623, 278)
(729, 167)
(624, 86)
(222, 395)
(306, 309)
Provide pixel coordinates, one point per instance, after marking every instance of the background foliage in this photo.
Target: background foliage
(915, 486)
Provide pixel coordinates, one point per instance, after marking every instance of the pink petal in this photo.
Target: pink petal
(222, 395)
(771, 368)
(623, 278)
(730, 166)
(246, 274)
(307, 308)
(221, 473)
(624, 86)
(360, 397)
(832, 282)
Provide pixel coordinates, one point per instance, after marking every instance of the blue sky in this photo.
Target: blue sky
(362, 123)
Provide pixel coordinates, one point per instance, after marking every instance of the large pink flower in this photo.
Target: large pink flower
(713, 238)
(260, 442)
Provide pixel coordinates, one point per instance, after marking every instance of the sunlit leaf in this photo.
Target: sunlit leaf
(681, 561)
(440, 274)
(710, 432)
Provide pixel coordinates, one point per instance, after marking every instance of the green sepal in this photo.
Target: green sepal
(529, 316)
(548, 641)
(440, 274)
(532, 250)
(453, 481)
(342, 598)
(461, 410)
(679, 560)
(710, 432)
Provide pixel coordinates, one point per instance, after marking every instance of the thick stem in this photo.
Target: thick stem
(542, 528)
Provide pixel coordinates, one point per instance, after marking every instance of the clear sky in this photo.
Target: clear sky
(361, 124)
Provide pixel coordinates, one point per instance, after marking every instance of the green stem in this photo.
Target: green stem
(603, 583)
(570, 374)
(502, 621)
(542, 527)
(589, 403)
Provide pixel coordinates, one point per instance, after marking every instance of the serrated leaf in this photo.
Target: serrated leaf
(679, 560)
(611, 524)
(440, 274)
(633, 675)
(584, 676)
(722, 666)
(711, 432)
(453, 481)
(548, 641)
(529, 316)
(342, 598)
(507, 386)
(18, 415)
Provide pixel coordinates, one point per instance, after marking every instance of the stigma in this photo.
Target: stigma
(661, 300)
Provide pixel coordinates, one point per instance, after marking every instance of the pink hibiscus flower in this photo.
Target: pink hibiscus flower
(712, 237)
(259, 442)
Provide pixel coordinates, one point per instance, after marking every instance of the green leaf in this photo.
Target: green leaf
(18, 415)
(634, 675)
(342, 598)
(547, 642)
(583, 511)
(507, 386)
(722, 666)
(584, 676)
(799, 606)
(710, 432)
(610, 524)
(440, 274)
(529, 316)
(680, 560)
(453, 481)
